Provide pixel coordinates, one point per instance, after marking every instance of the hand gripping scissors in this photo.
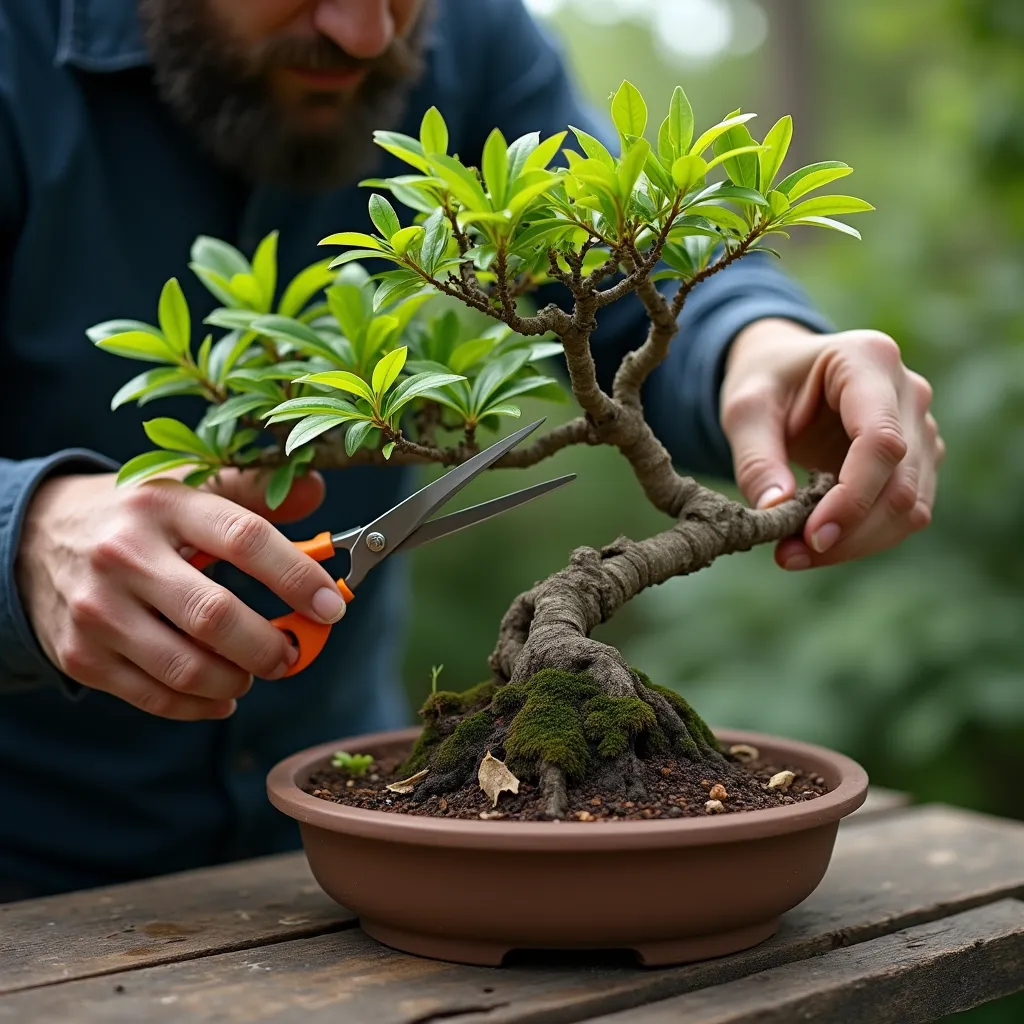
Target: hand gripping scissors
(401, 528)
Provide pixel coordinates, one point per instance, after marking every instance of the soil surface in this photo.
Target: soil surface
(677, 788)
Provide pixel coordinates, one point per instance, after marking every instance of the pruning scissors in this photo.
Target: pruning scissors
(401, 528)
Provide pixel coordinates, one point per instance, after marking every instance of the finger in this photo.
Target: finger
(248, 489)
(121, 679)
(234, 534)
(869, 407)
(216, 618)
(754, 424)
(178, 663)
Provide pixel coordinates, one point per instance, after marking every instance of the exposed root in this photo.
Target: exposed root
(556, 799)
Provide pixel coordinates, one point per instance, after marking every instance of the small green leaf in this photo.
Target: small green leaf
(147, 381)
(414, 387)
(404, 240)
(342, 380)
(519, 152)
(348, 307)
(149, 464)
(680, 122)
(199, 476)
(246, 289)
(462, 183)
(386, 372)
(544, 153)
(175, 436)
(827, 222)
(437, 235)
(433, 132)
(629, 111)
(353, 238)
(215, 284)
(301, 336)
(236, 406)
(295, 408)
(379, 333)
(631, 167)
(813, 176)
(219, 256)
(594, 148)
(138, 345)
(528, 187)
(404, 147)
(825, 206)
(383, 215)
(304, 286)
(688, 170)
(698, 148)
(388, 449)
(504, 409)
(203, 359)
(280, 484)
(778, 139)
(495, 167)
(355, 436)
(361, 254)
(232, 319)
(310, 428)
(264, 268)
(396, 285)
(737, 150)
(466, 353)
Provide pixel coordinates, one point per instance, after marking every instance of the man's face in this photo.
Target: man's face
(287, 91)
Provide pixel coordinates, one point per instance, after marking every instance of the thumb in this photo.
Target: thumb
(247, 488)
(756, 432)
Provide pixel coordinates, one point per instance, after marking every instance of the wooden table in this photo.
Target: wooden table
(918, 916)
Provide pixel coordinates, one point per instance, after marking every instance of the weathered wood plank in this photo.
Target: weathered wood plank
(880, 801)
(174, 917)
(886, 875)
(914, 976)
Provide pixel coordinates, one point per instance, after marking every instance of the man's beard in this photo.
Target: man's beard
(221, 91)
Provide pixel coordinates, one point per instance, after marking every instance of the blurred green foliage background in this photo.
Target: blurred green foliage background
(911, 661)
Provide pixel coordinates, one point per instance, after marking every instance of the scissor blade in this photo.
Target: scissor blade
(456, 521)
(397, 523)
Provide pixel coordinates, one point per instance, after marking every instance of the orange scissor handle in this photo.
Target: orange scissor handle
(307, 636)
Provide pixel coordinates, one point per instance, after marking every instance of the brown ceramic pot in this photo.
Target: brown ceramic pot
(673, 890)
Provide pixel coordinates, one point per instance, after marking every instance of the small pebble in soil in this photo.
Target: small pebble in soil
(781, 780)
(714, 806)
(718, 792)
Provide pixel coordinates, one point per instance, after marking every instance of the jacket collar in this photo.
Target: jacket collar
(100, 35)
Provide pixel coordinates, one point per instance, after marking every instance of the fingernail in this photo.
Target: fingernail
(328, 604)
(825, 537)
(769, 497)
(798, 562)
(226, 708)
(292, 656)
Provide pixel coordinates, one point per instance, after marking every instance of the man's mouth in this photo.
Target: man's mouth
(328, 79)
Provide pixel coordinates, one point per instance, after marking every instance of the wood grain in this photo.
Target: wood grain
(194, 913)
(887, 875)
(914, 976)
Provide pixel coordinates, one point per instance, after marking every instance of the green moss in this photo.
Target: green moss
(447, 702)
(700, 732)
(464, 743)
(612, 722)
(509, 699)
(549, 727)
(423, 748)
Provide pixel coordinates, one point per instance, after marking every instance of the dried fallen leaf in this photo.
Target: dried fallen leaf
(409, 784)
(781, 780)
(714, 806)
(495, 778)
(744, 752)
(718, 792)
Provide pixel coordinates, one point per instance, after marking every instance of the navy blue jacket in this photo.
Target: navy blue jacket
(101, 196)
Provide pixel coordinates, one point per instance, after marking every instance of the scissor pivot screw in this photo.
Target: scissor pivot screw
(376, 541)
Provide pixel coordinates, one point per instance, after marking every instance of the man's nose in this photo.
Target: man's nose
(362, 28)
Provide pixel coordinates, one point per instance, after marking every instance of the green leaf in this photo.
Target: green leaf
(148, 381)
(504, 409)
(404, 240)
(469, 352)
(215, 284)
(629, 111)
(304, 286)
(311, 427)
(521, 387)
(827, 222)
(594, 148)
(528, 187)
(219, 256)
(280, 484)
(778, 139)
(494, 375)
(313, 406)
(544, 153)
(353, 238)
(404, 285)
(295, 333)
(199, 477)
(140, 345)
(386, 372)
(825, 206)
(777, 203)
(519, 152)
(631, 166)
(813, 176)
(688, 170)
(726, 190)
(388, 449)
(658, 176)
(379, 333)
(383, 215)
(738, 151)
(355, 436)
(175, 436)
(149, 464)
(232, 319)
(722, 216)
(361, 254)
(203, 359)
(109, 328)
(348, 307)
(247, 290)
(404, 147)
(495, 167)
(461, 182)
(437, 235)
(433, 132)
(414, 387)
(264, 268)
(237, 406)
(342, 380)
(680, 122)
(697, 149)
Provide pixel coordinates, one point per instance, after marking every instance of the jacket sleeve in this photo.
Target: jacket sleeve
(527, 88)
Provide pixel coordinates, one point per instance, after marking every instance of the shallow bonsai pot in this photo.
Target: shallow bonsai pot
(674, 890)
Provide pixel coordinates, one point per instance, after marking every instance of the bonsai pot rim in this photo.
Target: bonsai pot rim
(847, 780)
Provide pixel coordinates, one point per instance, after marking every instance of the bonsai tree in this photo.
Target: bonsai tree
(342, 369)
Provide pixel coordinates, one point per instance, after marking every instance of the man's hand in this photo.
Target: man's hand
(98, 566)
(842, 403)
